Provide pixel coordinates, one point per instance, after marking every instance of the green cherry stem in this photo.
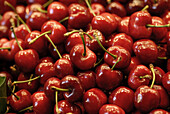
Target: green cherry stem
(56, 102)
(64, 19)
(53, 46)
(25, 109)
(12, 22)
(163, 58)
(153, 72)
(89, 5)
(84, 44)
(118, 60)
(96, 64)
(41, 10)
(5, 48)
(91, 38)
(69, 33)
(114, 56)
(30, 78)
(59, 89)
(12, 29)
(145, 8)
(158, 26)
(25, 81)
(10, 5)
(145, 76)
(47, 3)
(12, 92)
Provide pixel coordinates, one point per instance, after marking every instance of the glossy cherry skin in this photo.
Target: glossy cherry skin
(106, 78)
(57, 31)
(31, 87)
(123, 26)
(164, 98)
(116, 8)
(36, 1)
(168, 44)
(165, 81)
(20, 9)
(146, 51)
(76, 90)
(92, 43)
(122, 40)
(111, 109)
(49, 92)
(4, 7)
(105, 23)
(23, 102)
(137, 25)
(45, 70)
(26, 60)
(57, 11)
(91, 98)
(46, 59)
(79, 60)
(79, 16)
(4, 31)
(146, 99)
(158, 33)
(40, 45)
(158, 111)
(41, 104)
(20, 31)
(66, 56)
(134, 80)
(36, 20)
(63, 67)
(97, 9)
(166, 18)
(119, 52)
(159, 73)
(122, 97)
(87, 79)
(66, 107)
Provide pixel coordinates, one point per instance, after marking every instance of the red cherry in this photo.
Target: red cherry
(97, 9)
(111, 109)
(20, 9)
(36, 1)
(123, 26)
(5, 8)
(165, 81)
(166, 18)
(3, 31)
(159, 73)
(157, 111)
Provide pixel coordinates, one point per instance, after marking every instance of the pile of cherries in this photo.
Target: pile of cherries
(85, 56)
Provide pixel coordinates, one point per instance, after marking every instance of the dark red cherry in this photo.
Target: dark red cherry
(3, 31)
(5, 8)
(97, 8)
(159, 73)
(111, 109)
(36, 1)
(158, 111)
(20, 9)
(165, 81)
(123, 26)
(166, 18)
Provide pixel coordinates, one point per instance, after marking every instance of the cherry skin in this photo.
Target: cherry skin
(146, 99)
(63, 67)
(4, 31)
(116, 8)
(111, 109)
(41, 104)
(72, 83)
(57, 31)
(134, 80)
(46, 60)
(36, 20)
(57, 11)
(5, 8)
(122, 97)
(26, 60)
(119, 52)
(106, 78)
(166, 18)
(87, 79)
(24, 100)
(36, 1)
(145, 50)
(20, 9)
(137, 25)
(165, 81)
(66, 107)
(159, 73)
(97, 9)
(79, 60)
(123, 26)
(91, 98)
(157, 111)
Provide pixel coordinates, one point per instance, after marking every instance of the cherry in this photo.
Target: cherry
(165, 81)
(41, 104)
(23, 101)
(107, 78)
(3, 31)
(97, 9)
(104, 3)
(91, 98)
(20, 10)
(66, 56)
(5, 8)
(66, 107)
(122, 97)
(36, 20)
(159, 73)
(166, 18)
(123, 26)
(111, 109)
(57, 31)
(146, 51)
(57, 11)
(155, 111)
(139, 75)
(72, 83)
(116, 8)
(46, 60)
(87, 79)
(118, 18)
(36, 1)
(105, 23)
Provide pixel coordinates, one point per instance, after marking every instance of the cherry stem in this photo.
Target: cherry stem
(91, 38)
(163, 58)
(145, 76)
(84, 44)
(0, 17)
(13, 68)
(153, 72)
(53, 46)
(25, 109)
(69, 33)
(59, 89)
(10, 5)
(12, 29)
(30, 78)
(56, 102)
(33, 40)
(22, 21)
(25, 81)
(5, 48)
(158, 26)
(88, 4)
(114, 56)
(64, 19)
(118, 60)
(96, 64)
(12, 22)
(18, 22)
(145, 8)
(41, 10)
(12, 92)
(47, 3)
